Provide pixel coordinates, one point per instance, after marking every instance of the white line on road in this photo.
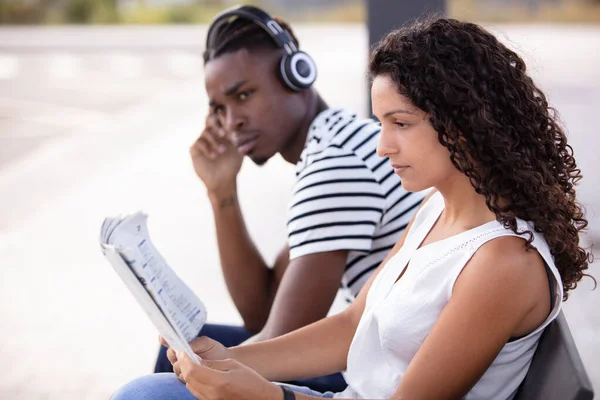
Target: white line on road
(185, 64)
(64, 66)
(47, 113)
(9, 66)
(126, 65)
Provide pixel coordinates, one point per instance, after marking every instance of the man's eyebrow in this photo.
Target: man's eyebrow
(229, 91)
(399, 111)
(234, 88)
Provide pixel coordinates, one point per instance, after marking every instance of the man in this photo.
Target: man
(348, 207)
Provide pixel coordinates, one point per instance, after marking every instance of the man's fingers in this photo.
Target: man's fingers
(215, 143)
(213, 121)
(222, 133)
(203, 148)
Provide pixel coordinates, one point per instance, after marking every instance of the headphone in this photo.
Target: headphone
(298, 70)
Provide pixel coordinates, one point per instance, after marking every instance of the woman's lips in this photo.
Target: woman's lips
(399, 168)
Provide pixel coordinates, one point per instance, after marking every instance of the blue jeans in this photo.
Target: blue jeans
(231, 336)
(167, 387)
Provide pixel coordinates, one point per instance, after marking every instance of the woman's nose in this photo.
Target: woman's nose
(385, 145)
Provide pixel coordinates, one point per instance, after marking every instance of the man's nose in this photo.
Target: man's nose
(234, 121)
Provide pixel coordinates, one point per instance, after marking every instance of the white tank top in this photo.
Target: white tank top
(398, 317)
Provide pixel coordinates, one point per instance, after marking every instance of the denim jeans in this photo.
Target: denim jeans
(234, 335)
(166, 386)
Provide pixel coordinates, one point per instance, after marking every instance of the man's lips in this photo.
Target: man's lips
(245, 144)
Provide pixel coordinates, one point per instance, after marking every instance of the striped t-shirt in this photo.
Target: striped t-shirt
(346, 197)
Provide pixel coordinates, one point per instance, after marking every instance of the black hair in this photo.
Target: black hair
(497, 125)
(242, 33)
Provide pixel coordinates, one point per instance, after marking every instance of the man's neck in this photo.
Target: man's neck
(294, 148)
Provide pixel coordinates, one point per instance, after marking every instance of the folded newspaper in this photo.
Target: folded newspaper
(170, 304)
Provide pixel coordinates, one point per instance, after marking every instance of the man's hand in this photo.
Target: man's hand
(215, 158)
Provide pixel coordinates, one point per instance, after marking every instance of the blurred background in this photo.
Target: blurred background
(99, 102)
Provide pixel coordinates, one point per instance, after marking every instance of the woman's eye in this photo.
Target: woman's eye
(401, 124)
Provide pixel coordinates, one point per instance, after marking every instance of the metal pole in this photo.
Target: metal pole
(386, 15)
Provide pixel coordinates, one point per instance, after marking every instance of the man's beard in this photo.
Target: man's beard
(259, 161)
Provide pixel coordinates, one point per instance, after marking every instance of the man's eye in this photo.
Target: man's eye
(401, 124)
(244, 95)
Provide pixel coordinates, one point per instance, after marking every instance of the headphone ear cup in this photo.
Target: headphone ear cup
(298, 70)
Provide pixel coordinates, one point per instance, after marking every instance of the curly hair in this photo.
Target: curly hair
(497, 125)
(242, 33)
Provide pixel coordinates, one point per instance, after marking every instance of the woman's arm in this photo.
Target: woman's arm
(317, 349)
(499, 294)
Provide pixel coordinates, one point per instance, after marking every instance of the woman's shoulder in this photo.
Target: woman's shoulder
(509, 264)
(509, 250)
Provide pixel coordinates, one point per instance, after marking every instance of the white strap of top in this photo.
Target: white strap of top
(431, 211)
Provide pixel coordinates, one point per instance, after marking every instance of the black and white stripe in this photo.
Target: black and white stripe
(346, 197)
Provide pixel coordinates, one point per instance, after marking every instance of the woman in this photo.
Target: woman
(458, 306)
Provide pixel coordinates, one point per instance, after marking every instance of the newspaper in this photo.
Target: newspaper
(173, 308)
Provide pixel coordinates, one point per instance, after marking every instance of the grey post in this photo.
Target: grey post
(385, 15)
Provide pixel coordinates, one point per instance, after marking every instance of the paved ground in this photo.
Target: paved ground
(97, 121)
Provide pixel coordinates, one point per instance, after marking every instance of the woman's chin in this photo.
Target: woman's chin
(410, 185)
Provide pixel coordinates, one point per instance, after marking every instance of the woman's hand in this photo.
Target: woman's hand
(205, 347)
(224, 380)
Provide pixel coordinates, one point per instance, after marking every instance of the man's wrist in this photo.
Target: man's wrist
(223, 198)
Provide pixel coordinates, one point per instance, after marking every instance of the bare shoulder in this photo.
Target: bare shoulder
(507, 269)
(509, 255)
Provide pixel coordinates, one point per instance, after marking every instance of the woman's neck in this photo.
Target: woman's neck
(463, 206)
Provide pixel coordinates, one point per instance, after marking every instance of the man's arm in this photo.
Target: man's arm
(251, 283)
(330, 215)
(306, 292)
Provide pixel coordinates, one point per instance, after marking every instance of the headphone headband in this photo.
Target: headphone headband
(298, 71)
(281, 36)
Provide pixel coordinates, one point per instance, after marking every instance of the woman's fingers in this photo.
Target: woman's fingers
(202, 372)
(163, 341)
(171, 356)
(220, 365)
